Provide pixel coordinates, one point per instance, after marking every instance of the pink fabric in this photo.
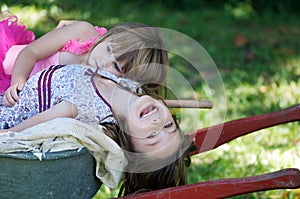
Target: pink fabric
(75, 47)
(12, 32)
(13, 52)
(14, 37)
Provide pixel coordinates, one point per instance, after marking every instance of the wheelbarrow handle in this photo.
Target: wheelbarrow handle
(214, 136)
(204, 104)
(283, 179)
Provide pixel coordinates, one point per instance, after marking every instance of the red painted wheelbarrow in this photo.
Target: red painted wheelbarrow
(284, 179)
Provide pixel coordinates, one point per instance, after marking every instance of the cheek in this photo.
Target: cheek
(112, 70)
(138, 144)
(135, 132)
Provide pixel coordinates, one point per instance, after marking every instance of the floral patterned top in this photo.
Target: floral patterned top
(73, 83)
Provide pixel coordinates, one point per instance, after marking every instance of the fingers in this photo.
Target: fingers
(11, 95)
(20, 87)
(63, 23)
(60, 24)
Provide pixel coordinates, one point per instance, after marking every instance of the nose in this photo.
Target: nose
(158, 117)
(155, 119)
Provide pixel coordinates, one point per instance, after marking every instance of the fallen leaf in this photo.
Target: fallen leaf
(240, 40)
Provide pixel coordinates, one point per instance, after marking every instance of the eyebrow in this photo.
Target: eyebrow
(176, 129)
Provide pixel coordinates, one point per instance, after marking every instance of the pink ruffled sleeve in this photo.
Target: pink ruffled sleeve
(75, 47)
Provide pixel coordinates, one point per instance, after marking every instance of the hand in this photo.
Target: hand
(11, 95)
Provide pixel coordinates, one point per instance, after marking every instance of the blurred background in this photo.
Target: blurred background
(255, 46)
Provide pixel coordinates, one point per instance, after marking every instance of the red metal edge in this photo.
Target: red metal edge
(282, 179)
(214, 136)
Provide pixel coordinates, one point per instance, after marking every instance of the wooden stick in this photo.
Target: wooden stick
(189, 103)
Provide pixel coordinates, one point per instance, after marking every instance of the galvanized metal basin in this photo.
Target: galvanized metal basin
(65, 174)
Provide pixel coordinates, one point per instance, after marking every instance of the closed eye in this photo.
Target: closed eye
(108, 48)
(117, 67)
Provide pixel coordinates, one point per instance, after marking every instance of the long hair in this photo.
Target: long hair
(142, 50)
(172, 174)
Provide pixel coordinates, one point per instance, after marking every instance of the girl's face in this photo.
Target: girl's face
(103, 57)
(152, 127)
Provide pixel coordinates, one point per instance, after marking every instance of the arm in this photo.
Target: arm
(62, 109)
(63, 23)
(41, 48)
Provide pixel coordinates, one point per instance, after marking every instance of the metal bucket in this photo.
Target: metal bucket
(65, 174)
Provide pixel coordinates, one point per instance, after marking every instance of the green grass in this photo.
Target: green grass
(266, 82)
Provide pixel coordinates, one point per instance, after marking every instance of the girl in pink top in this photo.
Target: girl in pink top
(16, 37)
(75, 42)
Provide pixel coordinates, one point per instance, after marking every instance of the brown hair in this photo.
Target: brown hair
(173, 174)
(142, 50)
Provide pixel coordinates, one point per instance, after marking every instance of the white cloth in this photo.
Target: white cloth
(68, 134)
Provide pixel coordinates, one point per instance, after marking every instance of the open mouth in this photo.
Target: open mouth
(149, 110)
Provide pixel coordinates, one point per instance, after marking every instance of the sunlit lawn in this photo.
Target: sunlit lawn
(258, 58)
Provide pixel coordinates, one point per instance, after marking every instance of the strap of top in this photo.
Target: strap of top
(132, 85)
